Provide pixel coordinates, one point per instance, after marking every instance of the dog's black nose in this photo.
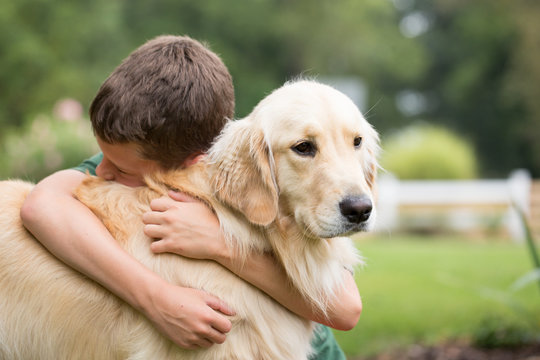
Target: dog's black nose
(356, 209)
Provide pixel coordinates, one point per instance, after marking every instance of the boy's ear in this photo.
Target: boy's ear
(192, 159)
(242, 172)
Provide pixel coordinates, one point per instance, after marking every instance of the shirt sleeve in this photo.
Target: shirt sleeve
(90, 164)
(325, 346)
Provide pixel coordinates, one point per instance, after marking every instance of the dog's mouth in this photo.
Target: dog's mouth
(353, 214)
(345, 229)
(354, 228)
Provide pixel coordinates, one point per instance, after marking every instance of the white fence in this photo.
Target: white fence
(457, 205)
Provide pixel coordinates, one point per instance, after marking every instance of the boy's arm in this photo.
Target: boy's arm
(77, 237)
(264, 272)
(187, 227)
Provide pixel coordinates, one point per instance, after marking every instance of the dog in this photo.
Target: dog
(294, 178)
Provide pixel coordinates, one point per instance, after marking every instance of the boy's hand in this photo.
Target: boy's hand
(184, 226)
(191, 318)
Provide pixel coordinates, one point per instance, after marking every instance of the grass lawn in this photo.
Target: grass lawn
(425, 290)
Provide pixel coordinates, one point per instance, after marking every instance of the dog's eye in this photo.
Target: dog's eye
(305, 148)
(357, 141)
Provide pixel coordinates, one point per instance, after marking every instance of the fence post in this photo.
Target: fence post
(519, 191)
(387, 203)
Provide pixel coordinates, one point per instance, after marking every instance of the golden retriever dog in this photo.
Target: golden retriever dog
(293, 178)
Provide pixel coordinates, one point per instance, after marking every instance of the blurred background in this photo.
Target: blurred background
(452, 86)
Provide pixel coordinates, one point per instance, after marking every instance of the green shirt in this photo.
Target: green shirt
(325, 346)
(90, 165)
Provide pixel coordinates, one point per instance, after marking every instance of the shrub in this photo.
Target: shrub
(45, 145)
(493, 332)
(428, 152)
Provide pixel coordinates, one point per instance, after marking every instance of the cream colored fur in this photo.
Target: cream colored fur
(267, 198)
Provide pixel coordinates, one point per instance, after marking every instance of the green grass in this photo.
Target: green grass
(425, 290)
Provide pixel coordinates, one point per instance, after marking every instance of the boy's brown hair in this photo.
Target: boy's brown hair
(171, 96)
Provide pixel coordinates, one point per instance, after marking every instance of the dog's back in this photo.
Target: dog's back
(49, 311)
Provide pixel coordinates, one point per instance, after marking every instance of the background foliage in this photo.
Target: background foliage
(45, 145)
(471, 66)
(421, 152)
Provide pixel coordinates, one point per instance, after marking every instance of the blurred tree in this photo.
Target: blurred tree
(354, 38)
(66, 48)
(241, 32)
(483, 76)
(266, 42)
(522, 83)
(469, 65)
(52, 49)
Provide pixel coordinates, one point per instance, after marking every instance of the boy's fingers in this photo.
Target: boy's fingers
(205, 343)
(161, 246)
(180, 196)
(162, 204)
(156, 247)
(222, 325)
(217, 337)
(220, 305)
(153, 231)
(151, 217)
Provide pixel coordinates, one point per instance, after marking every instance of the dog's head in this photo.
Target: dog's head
(305, 152)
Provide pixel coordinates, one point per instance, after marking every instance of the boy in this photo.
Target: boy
(160, 109)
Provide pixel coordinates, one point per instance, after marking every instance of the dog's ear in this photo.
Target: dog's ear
(370, 169)
(243, 172)
(371, 164)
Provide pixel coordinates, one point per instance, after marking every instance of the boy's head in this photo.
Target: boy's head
(171, 97)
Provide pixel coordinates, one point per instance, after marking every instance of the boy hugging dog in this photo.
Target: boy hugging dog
(161, 109)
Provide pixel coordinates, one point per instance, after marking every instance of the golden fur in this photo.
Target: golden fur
(267, 197)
